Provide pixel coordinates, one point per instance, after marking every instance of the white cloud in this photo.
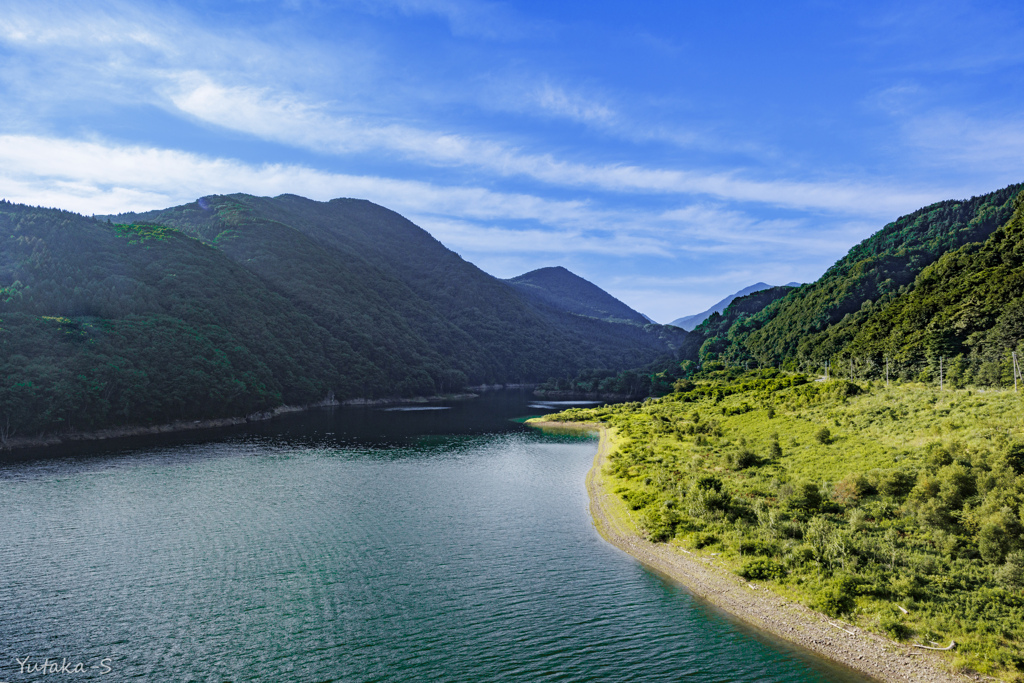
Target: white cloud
(289, 120)
(463, 236)
(91, 175)
(573, 106)
(948, 137)
(191, 70)
(100, 177)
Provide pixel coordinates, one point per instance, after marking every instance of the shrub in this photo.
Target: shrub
(762, 568)
(850, 489)
(806, 498)
(1000, 535)
(838, 597)
(703, 540)
(636, 499)
(823, 436)
(708, 482)
(896, 483)
(659, 525)
(744, 459)
(894, 626)
(683, 386)
(799, 556)
(1011, 574)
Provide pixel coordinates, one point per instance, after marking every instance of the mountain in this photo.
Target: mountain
(235, 304)
(711, 336)
(690, 322)
(566, 291)
(967, 307)
(876, 278)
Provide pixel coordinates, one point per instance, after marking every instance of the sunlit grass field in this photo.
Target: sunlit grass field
(899, 508)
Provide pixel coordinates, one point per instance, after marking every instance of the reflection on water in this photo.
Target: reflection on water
(348, 545)
(410, 409)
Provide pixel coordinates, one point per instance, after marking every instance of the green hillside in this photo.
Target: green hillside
(967, 307)
(818, 320)
(718, 336)
(236, 304)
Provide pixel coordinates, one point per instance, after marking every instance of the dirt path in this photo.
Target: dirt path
(865, 652)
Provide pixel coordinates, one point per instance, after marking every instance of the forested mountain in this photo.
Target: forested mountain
(967, 307)
(715, 337)
(820, 321)
(234, 304)
(566, 291)
(690, 322)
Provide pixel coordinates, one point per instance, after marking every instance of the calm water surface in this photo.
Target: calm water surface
(348, 545)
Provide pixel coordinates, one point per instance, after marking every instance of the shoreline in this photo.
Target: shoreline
(862, 651)
(43, 441)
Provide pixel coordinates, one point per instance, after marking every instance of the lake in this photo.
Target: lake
(451, 544)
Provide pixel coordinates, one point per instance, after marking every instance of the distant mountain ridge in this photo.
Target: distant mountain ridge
(566, 291)
(690, 322)
(235, 304)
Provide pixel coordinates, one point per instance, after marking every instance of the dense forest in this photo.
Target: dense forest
(818, 322)
(236, 304)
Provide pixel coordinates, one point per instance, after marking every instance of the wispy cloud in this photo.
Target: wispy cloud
(560, 102)
(951, 137)
(194, 72)
(464, 236)
(473, 18)
(101, 177)
(287, 119)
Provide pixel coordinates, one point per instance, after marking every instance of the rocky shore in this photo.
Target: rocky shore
(865, 652)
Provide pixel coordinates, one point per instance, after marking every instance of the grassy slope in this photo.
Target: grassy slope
(920, 504)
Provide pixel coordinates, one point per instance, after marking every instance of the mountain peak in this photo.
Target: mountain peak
(690, 322)
(564, 290)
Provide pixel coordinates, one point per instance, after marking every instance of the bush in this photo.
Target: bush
(762, 568)
(839, 597)
(744, 459)
(704, 540)
(806, 498)
(896, 483)
(636, 499)
(850, 489)
(1011, 575)
(659, 525)
(823, 436)
(894, 626)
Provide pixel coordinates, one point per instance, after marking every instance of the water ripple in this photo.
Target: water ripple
(446, 558)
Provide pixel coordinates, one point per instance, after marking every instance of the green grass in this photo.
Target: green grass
(914, 497)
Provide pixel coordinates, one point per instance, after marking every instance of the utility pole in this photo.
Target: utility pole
(826, 371)
(1016, 371)
(851, 368)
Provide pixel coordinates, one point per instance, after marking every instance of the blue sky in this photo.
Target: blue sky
(670, 152)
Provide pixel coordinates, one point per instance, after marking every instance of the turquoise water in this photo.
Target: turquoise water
(347, 545)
